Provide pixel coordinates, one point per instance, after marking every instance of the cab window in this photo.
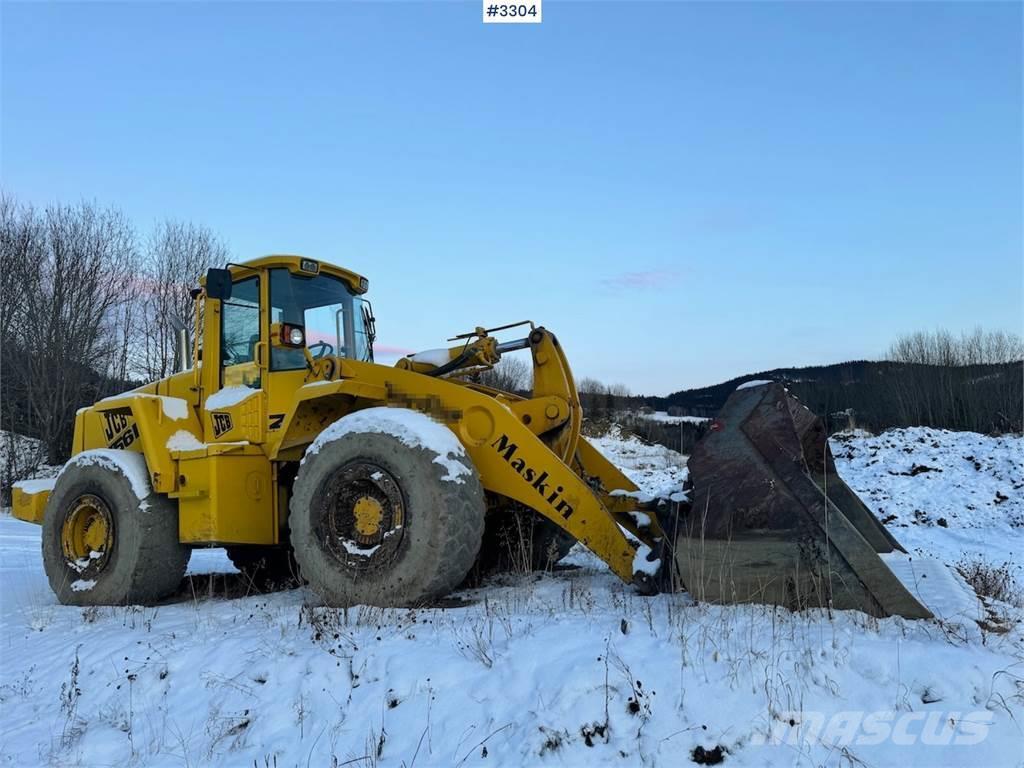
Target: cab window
(333, 318)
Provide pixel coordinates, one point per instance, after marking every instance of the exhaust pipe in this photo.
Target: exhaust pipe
(182, 345)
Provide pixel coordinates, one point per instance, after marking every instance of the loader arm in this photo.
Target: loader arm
(523, 448)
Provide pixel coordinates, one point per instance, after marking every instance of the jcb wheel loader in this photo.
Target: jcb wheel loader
(285, 443)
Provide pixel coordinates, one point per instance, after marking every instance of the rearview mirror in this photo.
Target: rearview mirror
(218, 283)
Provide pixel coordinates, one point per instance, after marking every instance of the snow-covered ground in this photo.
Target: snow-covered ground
(569, 669)
(952, 495)
(664, 417)
(658, 470)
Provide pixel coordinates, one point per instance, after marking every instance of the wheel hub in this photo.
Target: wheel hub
(86, 536)
(369, 514)
(363, 515)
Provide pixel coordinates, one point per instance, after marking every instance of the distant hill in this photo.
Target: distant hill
(982, 398)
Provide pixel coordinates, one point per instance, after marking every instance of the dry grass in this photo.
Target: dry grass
(993, 581)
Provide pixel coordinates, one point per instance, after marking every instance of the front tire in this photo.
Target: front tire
(108, 539)
(387, 509)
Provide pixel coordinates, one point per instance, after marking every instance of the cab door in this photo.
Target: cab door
(235, 400)
(242, 335)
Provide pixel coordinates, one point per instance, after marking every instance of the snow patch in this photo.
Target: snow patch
(642, 519)
(184, 441)
(642, 565)
(354, 548)
(940, 589)
(656, 470)
(640, 562)
(664, 418)
(435, 357)
(228, 397)
(412, 428)
(36, 486)
(174, 407)
(133, 465)
(82, 585)
(755, 383)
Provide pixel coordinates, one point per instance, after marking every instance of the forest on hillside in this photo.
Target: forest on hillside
(935, 379)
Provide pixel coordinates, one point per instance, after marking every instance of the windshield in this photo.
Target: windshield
(336, 320)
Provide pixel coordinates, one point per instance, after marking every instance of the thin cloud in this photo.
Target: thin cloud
(649, 280)
(385, 350)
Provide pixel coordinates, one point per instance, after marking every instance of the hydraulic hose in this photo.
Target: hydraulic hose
(451, 365)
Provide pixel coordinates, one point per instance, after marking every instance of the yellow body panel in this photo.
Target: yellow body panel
(141, 422)
(226, 496)
(28, 505)
(224, 470)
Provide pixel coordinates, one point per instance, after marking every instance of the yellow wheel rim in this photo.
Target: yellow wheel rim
(86, 534)
(369, 514)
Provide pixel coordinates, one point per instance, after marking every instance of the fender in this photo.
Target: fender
(142, 423)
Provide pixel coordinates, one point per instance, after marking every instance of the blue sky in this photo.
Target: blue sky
(683, 192)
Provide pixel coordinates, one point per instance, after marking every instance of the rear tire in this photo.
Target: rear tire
(376, 520)
(102, 543)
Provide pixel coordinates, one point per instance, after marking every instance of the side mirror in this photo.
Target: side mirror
(218, 283)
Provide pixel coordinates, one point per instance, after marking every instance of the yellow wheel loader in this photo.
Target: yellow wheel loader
(285, 443)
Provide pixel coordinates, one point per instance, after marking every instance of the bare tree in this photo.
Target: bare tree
(511, 374)
(940, 347)
(20, 235)
(177, 254)
(618, 397)
(957, 382)
(602, 400)
(68, 302)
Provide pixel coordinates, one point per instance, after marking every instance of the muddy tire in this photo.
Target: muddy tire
(387, 509)
(266, 569)
(107, 538)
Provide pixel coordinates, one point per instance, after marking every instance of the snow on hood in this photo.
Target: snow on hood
(174, 408)
(413, 428)
(228, 397)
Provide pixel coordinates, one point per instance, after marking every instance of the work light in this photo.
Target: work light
(291, 335)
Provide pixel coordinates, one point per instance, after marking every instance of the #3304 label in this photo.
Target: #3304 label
(512, 13)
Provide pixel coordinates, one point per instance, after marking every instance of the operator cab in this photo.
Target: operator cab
(311, 306)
